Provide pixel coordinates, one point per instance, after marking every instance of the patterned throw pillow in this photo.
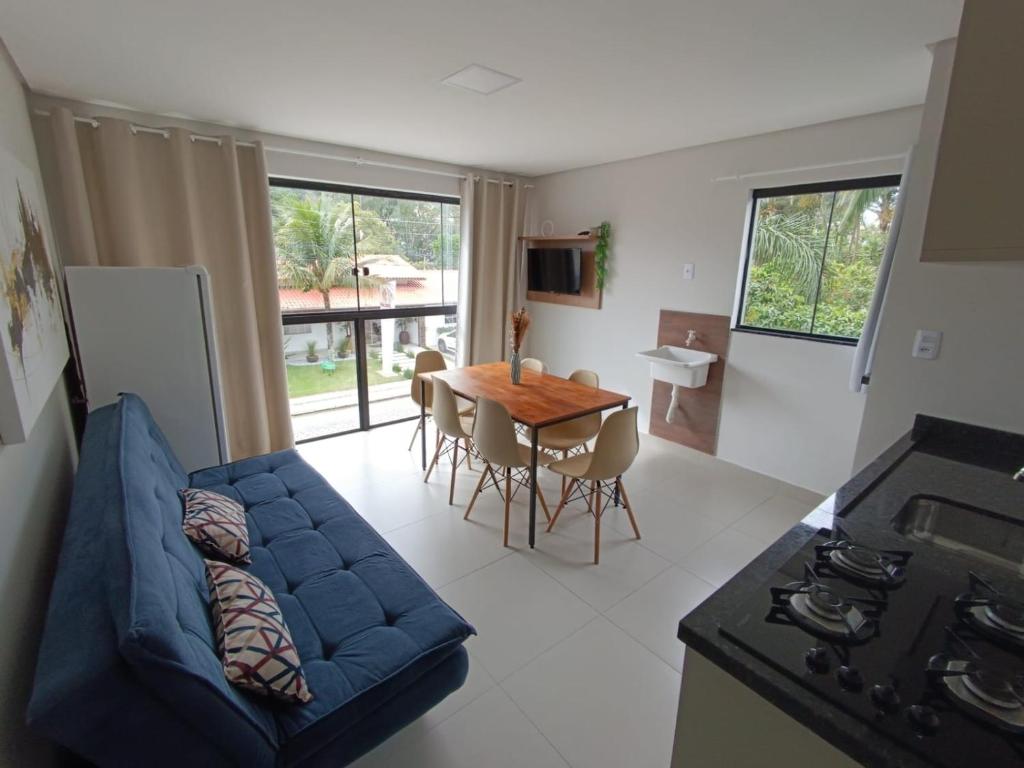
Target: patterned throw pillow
(216, 524)
(254, 643)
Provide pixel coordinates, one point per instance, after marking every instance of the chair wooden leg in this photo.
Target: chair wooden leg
(565, 479)
(472, 501)
(433, 462)
(415, 432)
(508, 500)
(543, 503)
(597, 530)
(561, 506)
(455, 466)
(629, 508)
(469, 463)
(590, 501)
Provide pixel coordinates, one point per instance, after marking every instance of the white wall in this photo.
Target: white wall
(786, 410)
(979, 375)
(35, 480)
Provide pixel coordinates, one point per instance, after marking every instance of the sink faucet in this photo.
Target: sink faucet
(691, 336)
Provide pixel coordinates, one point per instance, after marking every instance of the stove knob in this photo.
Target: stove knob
(817, 660)
(850, 679)
(885, 697)
(923, 719)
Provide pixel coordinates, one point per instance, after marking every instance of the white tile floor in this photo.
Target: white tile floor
(574, 664)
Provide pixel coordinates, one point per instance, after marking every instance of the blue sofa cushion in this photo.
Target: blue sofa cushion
(161, 605)
(365, 624)
(85, 696)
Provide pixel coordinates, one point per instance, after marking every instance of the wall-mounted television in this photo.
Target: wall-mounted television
(553, 270)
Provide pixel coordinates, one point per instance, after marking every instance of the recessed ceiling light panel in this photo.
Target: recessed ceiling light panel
(480, 79)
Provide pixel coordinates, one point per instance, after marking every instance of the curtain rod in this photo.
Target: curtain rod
(818, 167)
(357, 161)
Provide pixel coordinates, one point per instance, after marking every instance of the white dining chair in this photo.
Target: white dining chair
(452, 429)
(494, 438)
(595, 477)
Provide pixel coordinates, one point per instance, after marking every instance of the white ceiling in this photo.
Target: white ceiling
(602, 80)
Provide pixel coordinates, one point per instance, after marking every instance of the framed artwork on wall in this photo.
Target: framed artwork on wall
(34, 346)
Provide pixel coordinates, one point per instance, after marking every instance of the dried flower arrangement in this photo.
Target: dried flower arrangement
(520, 324)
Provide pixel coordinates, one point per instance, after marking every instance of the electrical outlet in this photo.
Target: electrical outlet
(687, 271)
(927, 344)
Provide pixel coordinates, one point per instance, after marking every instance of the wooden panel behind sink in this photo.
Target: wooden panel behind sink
(696, 424)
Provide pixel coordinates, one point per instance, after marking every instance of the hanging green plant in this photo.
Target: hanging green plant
(604, 233)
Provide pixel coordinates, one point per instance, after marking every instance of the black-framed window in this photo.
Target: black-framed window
(812, 258)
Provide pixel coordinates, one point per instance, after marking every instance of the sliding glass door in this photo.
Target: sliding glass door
(367, 279)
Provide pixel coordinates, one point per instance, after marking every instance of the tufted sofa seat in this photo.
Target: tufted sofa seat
(128, 671)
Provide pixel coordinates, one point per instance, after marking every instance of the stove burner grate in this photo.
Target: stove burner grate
(992, 695)
(825, 613)
(862, 564)
(992, 613)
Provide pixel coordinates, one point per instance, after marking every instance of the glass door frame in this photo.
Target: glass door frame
(359, 316)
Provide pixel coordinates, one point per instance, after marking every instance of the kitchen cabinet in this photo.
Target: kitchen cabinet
(974, 214)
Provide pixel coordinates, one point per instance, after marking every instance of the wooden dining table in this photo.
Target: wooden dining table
(540, 400)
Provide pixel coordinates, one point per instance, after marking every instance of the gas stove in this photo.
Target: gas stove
(931, 659)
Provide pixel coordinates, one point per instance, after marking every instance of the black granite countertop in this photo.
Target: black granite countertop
(963, 463)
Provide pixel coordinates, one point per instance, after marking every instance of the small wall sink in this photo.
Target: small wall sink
(679, 365)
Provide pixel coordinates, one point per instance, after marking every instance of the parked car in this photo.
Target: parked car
(446, 343)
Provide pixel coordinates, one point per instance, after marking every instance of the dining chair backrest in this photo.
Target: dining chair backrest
(616, 447)
(585, 377)
(533, 364)
(426, 361)
(446, 410)
(494, 434)
(590, 424)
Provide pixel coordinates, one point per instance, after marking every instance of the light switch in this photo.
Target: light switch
(687, 271)
(927, 344)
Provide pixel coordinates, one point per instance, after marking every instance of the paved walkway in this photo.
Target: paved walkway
(346, 398)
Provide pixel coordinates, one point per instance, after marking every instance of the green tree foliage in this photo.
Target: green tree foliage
(319, 236)
(815, 260)
(316, 235)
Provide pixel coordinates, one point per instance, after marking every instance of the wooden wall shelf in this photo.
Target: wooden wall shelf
(558, 238)
(589, 296)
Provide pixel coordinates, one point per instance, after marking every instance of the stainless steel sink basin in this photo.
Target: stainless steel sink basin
(972, 532)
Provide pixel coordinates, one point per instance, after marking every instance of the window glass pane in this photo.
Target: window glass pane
(314, 246)
(391, 348)
(399, 242)
(785, 265)
(450, 247)
(321, 368)
(860, 228)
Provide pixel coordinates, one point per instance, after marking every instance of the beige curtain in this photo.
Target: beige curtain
(138, 198)
(492, 269)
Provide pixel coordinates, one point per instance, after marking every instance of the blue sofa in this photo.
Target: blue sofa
(128, 672)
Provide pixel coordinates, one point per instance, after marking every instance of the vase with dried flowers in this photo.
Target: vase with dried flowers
(520, 323)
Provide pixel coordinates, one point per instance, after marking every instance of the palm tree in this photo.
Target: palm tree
(792, 243)
(791, 238)
(314, 248)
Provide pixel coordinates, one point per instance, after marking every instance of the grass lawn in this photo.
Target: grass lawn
(312, 380)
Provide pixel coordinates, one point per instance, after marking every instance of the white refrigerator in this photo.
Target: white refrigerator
(149, 330)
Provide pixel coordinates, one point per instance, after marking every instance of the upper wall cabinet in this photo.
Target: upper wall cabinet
(975, 211)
